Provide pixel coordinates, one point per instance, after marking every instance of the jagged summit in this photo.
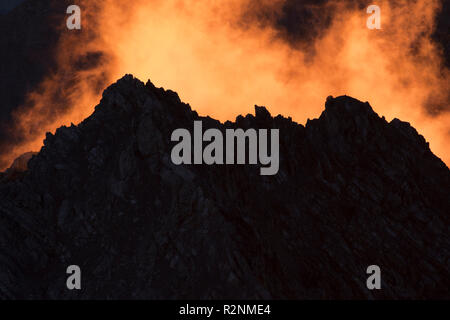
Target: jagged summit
(352, 190)
(343, 115)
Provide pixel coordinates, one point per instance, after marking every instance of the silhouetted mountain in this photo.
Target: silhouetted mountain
(353, 190)
(29, 36)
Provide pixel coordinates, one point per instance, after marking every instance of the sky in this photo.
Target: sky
(8, 5)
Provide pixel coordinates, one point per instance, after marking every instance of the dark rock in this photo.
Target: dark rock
(352, 190)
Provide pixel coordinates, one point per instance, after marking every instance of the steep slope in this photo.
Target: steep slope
(353, 190)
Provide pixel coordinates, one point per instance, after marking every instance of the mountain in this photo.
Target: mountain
(30, 33)
(353, 190)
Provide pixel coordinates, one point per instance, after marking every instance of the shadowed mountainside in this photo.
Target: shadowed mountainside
(353, 190)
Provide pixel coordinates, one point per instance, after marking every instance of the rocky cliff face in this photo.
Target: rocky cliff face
(353, 190)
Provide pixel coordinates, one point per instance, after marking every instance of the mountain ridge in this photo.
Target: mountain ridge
(353, 190)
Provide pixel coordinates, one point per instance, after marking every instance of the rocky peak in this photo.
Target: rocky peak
(352, 190)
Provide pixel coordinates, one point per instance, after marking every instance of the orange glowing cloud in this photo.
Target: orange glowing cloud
(222, 66)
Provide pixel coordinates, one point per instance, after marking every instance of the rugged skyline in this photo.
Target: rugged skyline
(353, 190)
(132, 193)
(53, 77)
